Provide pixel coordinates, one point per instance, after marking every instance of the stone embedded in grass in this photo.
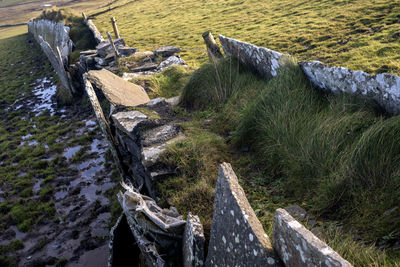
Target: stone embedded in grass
(118, 91)
(237, 237)
(297, 246)
(166, 51)
(126, 51)
(172, 60)
(145, 67)
(159, 134)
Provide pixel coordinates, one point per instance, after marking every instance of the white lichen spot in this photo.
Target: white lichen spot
(270, 260)
(255, 252)
(237, 222)
(237, 239)
(224, 239)
(326, 251)
(294, 224)
(251, 237)
(215, 248)
(232, 213)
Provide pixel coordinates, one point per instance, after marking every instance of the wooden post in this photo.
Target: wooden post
(212, 47)
(114, 24)
(116, 54)
(84, 16)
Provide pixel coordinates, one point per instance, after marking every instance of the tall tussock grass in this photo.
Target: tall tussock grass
(336, 153)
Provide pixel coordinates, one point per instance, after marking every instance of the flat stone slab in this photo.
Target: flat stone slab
(129, 122)
(159, 134)
(118, 91)
(151, 154)
(166, 51)
(262, 60)
(297, 246)
(193, 242)
(383, 88)
(237, 236)
(145, 67)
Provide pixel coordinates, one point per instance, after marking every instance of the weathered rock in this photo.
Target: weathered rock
(263, 61)
(130, 122)
(145, 67)
(105, 48)
(118, 91)
(56, 34)
(159, 134)
(383, 88)
(172, 60)
(173, 101)
(143, 56)
(129, 76)
(297, 246)
(193, 242)
(104, 61)
(237, 237)
(151, 154)
(126, 51)
(88, 52)
(155, 102)
(166, 51)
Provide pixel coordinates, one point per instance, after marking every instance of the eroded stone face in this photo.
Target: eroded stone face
(263, 61)
(128, 121)
(237, 237)
(166, 51)
(296, 246)
(383, 88)
(193, 242)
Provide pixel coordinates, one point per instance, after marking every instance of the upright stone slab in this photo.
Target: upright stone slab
(193, 242)
(296, 246)
(118, 91)
(237, 236)
(262, 60)
(383, 88)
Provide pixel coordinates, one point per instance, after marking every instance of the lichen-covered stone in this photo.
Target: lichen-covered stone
(296, 246)
(263, 61)
(166, 51)
(193, 242)
(118, 91)
(159, 134)
(173, 101)
(383, 88)
(172, 60)
(129, 122)
(237, 236)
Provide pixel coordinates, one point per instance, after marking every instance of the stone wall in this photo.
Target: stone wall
(382, 88)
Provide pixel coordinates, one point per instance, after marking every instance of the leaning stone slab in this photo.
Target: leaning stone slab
(237, 236)
(105, 47)
(297, 246)
(118, 91)
(263, 61)
(96, 34)
(193, 242)
(383, 88)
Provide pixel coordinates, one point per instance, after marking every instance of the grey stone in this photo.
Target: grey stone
(383, 88)
(88, 52)
(298, 212)
(126, 51)
(172, 60)
(155, 102)
(104, 48)
(145, 67)
(129, 75)
(103, 61)
(159, 134)
(118, 91)
(237, 236)
(173, 101)
(193, 242)
(263, 61)
(166, 51)
(297, 246)
(151, 154)
(129, 122)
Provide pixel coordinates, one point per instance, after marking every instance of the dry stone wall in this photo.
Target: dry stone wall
(383, 88)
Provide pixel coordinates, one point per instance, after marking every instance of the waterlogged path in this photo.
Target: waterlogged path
(55, 179)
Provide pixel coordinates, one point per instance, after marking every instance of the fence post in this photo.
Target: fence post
(116, 54)
(114, 24)
(212, 47)
(84, 16)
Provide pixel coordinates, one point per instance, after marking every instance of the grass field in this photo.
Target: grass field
(360, 34)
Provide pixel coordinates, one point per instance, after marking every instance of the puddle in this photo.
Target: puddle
(95, 146)
(61, 194)
(69, 152)
(18, 235)
(44, 92)
(90, 192)
(90, 124)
